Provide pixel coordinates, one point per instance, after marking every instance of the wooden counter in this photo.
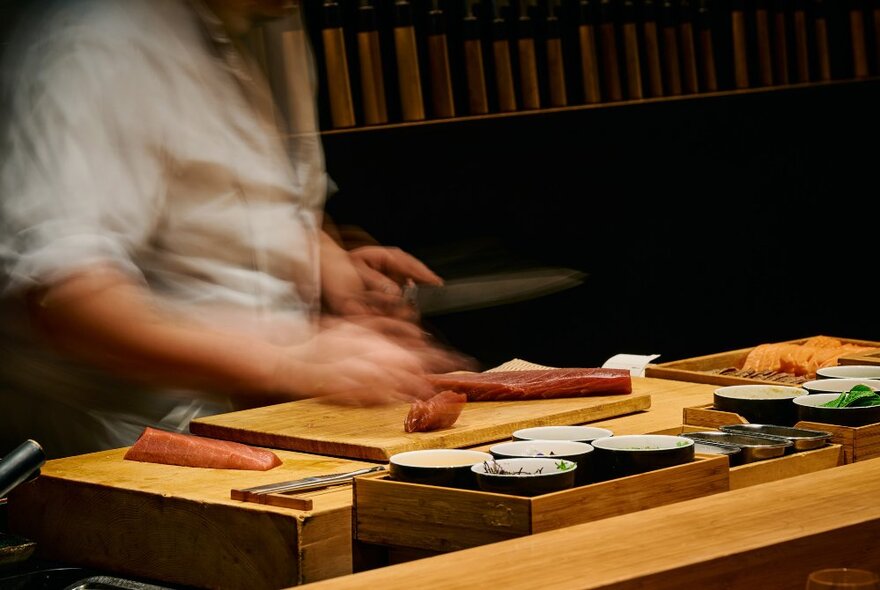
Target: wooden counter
(767, 536)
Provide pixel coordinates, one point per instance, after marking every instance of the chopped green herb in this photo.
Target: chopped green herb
(564, 465)
(857, 397)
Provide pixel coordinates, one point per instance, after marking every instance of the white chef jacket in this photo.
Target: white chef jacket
(139, 137)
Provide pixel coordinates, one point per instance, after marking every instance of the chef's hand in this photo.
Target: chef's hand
(349, 364)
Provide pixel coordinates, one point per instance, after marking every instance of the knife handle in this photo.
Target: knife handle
(822, 49)
(688, 48)
(528, 65)
(555, 64)
(338, 85)
(780, 40)
(589, 58)
(19, 465)
(707, 47)
(631, 51)
(740, 51)
(652, 48)
(608, 45)
(859, 46)
(670, 48)
(478, 100)
(503, 67)
(438, 66)
(372, 79)
(762, 31)
(801, 44)
(409, 80)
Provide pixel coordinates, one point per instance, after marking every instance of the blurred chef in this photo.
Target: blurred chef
(162, 247)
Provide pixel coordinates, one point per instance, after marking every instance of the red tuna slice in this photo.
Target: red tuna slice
(171, 448)
(535, 384)
(441, 411)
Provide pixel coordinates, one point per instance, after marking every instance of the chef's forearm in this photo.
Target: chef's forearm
(103, 317)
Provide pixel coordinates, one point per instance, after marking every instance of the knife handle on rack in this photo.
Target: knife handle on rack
(438, 64)
(762, 31)
(688, 48)
(409, 79)
(823, 54)
(876, 19)
(707, 47)
(338, 84)
(608, 45)
(857, 35)
(555, 59)
(740, 49)
(478, 101)
(503, 67)
(670, 48)
(801, 44)
(631, 51)
(589, 59)
(780, 40)
(528, 65)
(370, 57)
(652, 48)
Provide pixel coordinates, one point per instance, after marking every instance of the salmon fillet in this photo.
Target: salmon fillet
(440, 411)
(535, 384)
(172, 448)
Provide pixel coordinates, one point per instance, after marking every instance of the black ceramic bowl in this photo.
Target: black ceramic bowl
(525, 476)
(438, 467)
(808, 408)
(580, 453)
(618, 456)
(759, 404)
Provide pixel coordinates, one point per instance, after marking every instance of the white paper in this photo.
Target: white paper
(636, 363)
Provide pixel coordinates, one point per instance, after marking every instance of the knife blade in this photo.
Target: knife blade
(311, 483)
(489, 290)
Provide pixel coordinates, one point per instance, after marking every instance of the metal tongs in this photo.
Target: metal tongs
(273, 493)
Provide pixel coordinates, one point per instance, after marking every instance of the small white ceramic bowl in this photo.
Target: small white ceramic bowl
(583, 434)
(849, 372)
(838, 386)
(525, 477)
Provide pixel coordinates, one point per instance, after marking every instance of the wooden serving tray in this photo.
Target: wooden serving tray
(860, 358)
(858, 442)
(437, 519)
(696, 369)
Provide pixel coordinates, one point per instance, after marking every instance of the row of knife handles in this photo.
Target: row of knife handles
(679, 58)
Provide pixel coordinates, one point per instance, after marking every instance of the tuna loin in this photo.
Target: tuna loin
(441, 411)
(535, 384)
(171, 448)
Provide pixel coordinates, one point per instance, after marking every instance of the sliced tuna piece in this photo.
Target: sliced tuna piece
(171, 448)
(440, 411)
(535, 384)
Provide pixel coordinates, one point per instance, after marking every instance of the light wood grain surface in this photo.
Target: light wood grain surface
(376, 433)
(767, 536)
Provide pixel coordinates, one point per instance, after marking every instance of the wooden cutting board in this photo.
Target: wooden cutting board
(376, 433)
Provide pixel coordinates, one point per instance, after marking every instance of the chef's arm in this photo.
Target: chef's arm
(102, 316)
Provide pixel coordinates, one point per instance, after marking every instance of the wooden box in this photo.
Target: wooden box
(867, 357)
(438, 520)
(179, 525)
(699, 369)
(858, 442)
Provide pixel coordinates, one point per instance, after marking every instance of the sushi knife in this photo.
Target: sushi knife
(859, 46)
(631, 51)
(488, 290)
(801, 44)
(501, 53)
(762, 28)
(409, 79)
(780, 40)
(338, 85)
(740, 51)
(670, 48)
(608, 47)
(652, 47)
(707, 47)
(821, 29)
(688, 47)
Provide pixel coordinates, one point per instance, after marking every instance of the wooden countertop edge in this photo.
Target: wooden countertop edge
(768, 536)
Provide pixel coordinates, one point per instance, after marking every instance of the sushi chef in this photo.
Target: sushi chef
(163, 248)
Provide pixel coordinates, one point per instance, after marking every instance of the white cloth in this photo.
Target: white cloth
(139, 137)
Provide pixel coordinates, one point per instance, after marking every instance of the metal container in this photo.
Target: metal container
(752, 448)
(733, 453)
(801, 438)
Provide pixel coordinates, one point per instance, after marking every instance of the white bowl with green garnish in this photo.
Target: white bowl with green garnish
(569, 450)
(813, 408)
(619, 456)
(838, 385)
(526, 476)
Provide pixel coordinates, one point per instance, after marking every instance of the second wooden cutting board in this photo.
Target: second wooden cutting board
(376, 433)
